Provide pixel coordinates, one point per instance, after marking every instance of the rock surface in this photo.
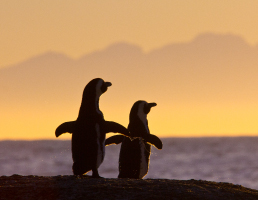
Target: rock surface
(84, 187)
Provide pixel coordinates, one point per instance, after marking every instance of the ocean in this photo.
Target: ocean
(220, 159)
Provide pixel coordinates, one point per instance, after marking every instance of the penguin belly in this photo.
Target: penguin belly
(144, 160)
(100, 145)
(88, 150)
(134, 159)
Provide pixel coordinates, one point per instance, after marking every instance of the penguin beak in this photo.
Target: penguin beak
(150, 105)
(108, 84)
(104, 86)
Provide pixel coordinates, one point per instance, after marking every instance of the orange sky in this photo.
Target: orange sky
(31, 27)
(76, 28)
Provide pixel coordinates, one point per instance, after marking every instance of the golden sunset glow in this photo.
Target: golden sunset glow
(195, 59)
(29, 27)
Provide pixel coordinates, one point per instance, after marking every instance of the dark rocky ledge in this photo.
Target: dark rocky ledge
(75, 187)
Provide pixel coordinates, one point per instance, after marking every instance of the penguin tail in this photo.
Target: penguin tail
(116, 128)
(116, 139)
(66, 127)
(154, 140)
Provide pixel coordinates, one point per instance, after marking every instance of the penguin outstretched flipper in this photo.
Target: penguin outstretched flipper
(114, 127)
(153, 140)
(66, 127)
(116, 139)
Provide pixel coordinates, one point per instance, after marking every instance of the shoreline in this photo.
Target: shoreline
(85, 187)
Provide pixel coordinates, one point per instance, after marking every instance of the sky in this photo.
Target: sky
(75, 28)
(32, 27)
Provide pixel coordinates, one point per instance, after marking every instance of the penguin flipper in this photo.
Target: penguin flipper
(66, 127)
(154, 140)
(116, 139)
(115, 128)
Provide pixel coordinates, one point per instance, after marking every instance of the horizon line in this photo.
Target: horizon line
(164, 137)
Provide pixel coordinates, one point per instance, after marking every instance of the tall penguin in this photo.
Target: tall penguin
(89, 130)
(135, 154)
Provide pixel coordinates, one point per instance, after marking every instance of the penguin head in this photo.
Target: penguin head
(96, 87)
(141, 109)
(138, 112)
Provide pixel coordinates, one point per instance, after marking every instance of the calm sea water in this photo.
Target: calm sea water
(233, 160)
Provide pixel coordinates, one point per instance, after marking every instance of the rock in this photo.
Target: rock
(85, 187)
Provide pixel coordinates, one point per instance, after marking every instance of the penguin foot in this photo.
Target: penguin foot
(83, 176)
(95, 174)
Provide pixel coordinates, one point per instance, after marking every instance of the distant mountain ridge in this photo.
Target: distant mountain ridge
(208, 59)
(210, 69)
(201, 42)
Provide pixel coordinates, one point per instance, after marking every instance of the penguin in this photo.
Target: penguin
(89, 130)
(134, 154)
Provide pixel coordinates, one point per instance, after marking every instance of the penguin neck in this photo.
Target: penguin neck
(142, 117)
(89, 107)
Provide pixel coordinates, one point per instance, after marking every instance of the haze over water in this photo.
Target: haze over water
(232, 160)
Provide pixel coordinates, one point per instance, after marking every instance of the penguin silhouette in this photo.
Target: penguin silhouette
(89, 130)
(135, 154)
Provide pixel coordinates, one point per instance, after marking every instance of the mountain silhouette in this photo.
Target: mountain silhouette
(211, 68)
